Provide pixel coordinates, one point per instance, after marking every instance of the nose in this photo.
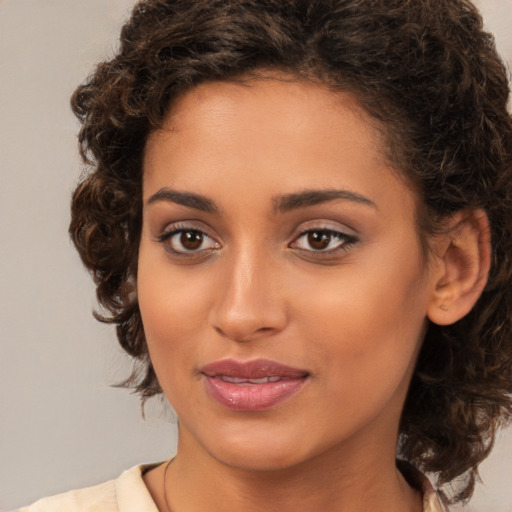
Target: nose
(250, 303)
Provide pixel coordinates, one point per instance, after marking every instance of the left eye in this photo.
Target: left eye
(322, 240)
(185, 241)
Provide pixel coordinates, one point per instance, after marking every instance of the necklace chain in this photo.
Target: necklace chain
(165, 487)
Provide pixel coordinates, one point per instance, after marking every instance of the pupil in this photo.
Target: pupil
(191, 239)
(318, 239)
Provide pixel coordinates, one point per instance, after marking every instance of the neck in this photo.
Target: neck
(338, 481)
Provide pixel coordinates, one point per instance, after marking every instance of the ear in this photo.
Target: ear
(460, 266)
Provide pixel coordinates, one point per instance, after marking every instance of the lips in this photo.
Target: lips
(252, 385)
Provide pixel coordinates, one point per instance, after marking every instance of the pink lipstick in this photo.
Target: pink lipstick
(252, 385)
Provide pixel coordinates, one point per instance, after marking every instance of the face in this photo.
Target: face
(281, 281)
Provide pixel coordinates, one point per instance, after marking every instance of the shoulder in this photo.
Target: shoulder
(92, 499)
(432, 500)
(127, 493)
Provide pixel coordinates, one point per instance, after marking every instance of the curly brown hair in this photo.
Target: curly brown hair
(429, 74)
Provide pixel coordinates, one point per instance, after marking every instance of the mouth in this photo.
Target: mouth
(252, 385)
(247, 382)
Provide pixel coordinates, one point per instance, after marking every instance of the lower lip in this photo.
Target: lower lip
(252, 397)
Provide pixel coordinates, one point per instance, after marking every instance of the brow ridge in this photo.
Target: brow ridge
(307, 198)
(188, 199)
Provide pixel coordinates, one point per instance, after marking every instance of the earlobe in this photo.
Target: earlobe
(461, 266)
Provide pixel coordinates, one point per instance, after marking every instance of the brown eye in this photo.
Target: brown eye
(188, 242)
(191, 240)
(326, 241)
(319, 240)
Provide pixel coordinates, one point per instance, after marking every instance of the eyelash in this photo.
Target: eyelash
(346, 241)
(166, 240)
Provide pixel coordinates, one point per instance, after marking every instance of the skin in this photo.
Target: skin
(353, 316)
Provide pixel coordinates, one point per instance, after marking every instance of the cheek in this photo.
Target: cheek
(368, 322)
(169, 325)
(170, 310)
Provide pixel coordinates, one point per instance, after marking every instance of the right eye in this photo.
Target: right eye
(187, 241)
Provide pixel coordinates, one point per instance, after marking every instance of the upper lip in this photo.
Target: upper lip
(254, 369)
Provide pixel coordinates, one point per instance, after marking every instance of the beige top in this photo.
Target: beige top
(129, 494)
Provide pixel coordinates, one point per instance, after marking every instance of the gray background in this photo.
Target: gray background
(62, 425)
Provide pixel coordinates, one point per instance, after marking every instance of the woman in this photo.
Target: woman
(299, 218)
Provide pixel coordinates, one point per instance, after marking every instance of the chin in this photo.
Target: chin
(252, 447)
(266, 450)
(259, 460)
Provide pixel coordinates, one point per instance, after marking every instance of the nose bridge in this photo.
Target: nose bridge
(248, 304)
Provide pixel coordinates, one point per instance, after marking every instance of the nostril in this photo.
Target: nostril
(247, 308)
(241, 335)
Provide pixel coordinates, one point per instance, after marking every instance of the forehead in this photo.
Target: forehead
(267, 134)
(270, 111)
(286, 97)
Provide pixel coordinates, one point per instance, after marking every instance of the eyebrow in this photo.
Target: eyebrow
(188, 199)
(282, 204)
(307, 198)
